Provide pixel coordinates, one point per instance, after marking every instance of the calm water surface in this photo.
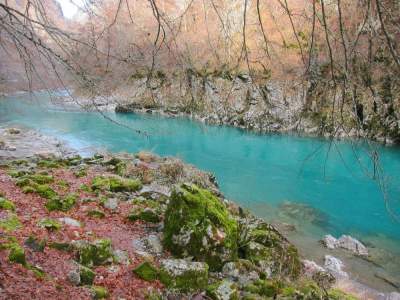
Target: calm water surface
(318, 186)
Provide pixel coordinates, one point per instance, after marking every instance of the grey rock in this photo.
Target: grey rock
(121, 257)
(226, 290)
(111, 203)
(70, 222)
(74, 277)
(393, 296)
(153, 243)
(178, 267)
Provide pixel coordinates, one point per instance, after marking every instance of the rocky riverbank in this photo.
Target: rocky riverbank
(143, 227)
(258, 105)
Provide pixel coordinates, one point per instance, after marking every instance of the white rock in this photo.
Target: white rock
(329, 241)
(111, 203)
(334, 266)
(393, 296)
(121, 257)
(311, 267)
(177, 267)
(70, 222)
(351, 244)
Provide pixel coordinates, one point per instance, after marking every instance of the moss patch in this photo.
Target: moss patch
(197, 224)
(93, 254)
(115, 184)
(87, 275)
(96, 213)
(6, 204)
(62, 204)
(10, 223)
(146, 271)
(146, 214)
(49, 224)
(99, 292)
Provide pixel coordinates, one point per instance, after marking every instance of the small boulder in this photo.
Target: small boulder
(70, 222)
(111, 203)
(393, 296)
(96, 253)
(153, 243)
(121, 257)
(184, 275)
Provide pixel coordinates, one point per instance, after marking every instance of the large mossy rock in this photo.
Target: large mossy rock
(197, 224)
(184, 275)
(96, 253)
(264, 246)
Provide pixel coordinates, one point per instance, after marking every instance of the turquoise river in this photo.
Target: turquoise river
(317, 186)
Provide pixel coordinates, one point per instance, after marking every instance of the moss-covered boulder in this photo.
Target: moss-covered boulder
(146, 271)
(223, 290)
(198, 224)
(263, 245)
(96, 253)
(184, 275)
(87, 275)
(116, 184)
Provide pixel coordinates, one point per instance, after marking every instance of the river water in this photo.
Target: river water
(316, 185)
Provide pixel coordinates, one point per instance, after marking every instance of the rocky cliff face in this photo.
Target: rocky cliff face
(263, 105)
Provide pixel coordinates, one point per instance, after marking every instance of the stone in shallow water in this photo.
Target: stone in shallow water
(353, 245)
(305, 213)
(329, 241)
(334, 266)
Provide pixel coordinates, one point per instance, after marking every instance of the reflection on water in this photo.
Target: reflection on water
(329, 185)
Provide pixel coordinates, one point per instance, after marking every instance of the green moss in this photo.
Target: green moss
(28, 190)
(147, 215)
(115, 184)
(146, 271)
(62, 183)
(49, 224)
(49, 164)
(35, 244)
(85, 188)
(61, 246)
(61, 204)
(265, 288)
(80, 173)
(6, 204)
(45, 191)
(39, 273)
(96, 213)
(87, 275)
(22, 182)
(40, 178)
(336, 294)
(10, 223)
(197, 224)
(16, 173)
(17, 254)
(96, 253)
(99, 292)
